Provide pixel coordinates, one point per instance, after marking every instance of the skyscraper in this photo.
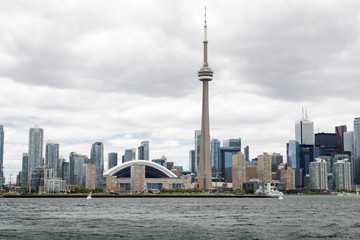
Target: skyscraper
(52, 157)
(143, 151)
(97, 158)
(76, 168)
(304, 131)
(246, 152)
(130, 154)
(342, 175)
(35, 150)
(293, 160)
(205, 75)
(340, 130)
(24, 174)
(197, 149)
(238, 170)
(113, 159)
(1, 151)
(318, 175)
(192, 161)
(357, 150)
(215, 164)
(264, 167)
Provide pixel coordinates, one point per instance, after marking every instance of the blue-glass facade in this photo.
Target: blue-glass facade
(246, 153)
(154, 185)
(293, 160)
(24, 171)
(215, 146)
(76, 168)
(225, 160)
(35, 151)
(306, 157)
(192, 161)
(113, 159)
(97, 158)
(52, 157)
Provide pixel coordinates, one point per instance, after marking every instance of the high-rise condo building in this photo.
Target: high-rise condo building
(36, 135)
(130, 154)
(113, 159)
(318, 175)
(97, 158)
(342, 174)
(197, 149)
(340, 130)
(76, 168)
(192, 161)
(88, 176)
(52, 157)
(215, 163)
(238, 170)
(65, 172)
(143, 151)
(304, 131)
(357, 150)
(264, 167)
(1, 151)
(287, 176)
(24, 174)
(225, 163)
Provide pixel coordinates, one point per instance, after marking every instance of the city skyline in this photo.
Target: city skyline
(86, 83)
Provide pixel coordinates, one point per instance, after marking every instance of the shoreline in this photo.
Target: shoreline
(130, 196)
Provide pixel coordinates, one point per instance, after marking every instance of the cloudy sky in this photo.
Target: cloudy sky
(122, 72)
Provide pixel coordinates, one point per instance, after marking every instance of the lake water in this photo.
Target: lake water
(295, 217)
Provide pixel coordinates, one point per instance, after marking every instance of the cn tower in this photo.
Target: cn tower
(205, 75)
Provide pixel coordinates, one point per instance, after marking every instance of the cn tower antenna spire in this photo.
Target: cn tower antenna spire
(205, 43)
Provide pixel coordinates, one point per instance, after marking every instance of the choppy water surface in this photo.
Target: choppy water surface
(295, 217)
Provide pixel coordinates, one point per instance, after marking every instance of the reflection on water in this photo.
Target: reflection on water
(179, 218)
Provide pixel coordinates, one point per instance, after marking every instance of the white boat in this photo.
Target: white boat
(89, 196)
(271, 191)
(281, 197)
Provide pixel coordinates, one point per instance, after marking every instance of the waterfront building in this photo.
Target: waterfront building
(52, 157)
(318, 175)
(130, 154)
(340, 130)
(293, 160)
(113, 159)
(225, 167)
(304, 131)
(238, 170)
(65, 172)
(55, 185)
(192, 161)
(24, 171)
(35, 152)
(143, 151)
(97, 158)
(76, 168)
(357, 150)
(138, 175)
(215, 164)
(342, 174)
(246, 152)
(232, 143)
(287, 176)
(88, 176)
(39, 176)
(197, 150)
(1, 151)
(161, 161)
(264, 167)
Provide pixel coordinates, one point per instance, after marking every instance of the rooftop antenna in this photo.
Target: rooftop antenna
(306, 117)
(302, 109)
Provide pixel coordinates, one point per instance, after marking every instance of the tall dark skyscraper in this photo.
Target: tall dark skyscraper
(340, 130)
(1, 151)
(24, 174)
(143, 151)
(205, 75)
(97, 158)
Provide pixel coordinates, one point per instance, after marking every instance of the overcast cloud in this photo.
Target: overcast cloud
(126, 71)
